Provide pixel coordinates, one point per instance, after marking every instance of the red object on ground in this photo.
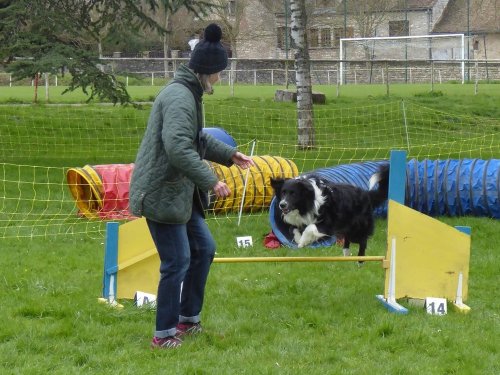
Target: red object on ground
(271, 241)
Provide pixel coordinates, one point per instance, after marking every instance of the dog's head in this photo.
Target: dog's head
(294, 194)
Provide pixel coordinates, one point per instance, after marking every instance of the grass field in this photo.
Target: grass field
(457, 97)
(261, 318)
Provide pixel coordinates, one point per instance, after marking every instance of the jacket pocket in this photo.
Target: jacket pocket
(171, 203)
(135, 202)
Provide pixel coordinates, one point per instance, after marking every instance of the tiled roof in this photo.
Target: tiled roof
(420, 4)
(400, 5)
(484, 16)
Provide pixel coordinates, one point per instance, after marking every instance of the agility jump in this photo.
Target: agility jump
(425, 257)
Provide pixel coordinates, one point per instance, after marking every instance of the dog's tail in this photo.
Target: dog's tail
(379, 195)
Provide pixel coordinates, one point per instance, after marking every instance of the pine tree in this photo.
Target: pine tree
(49, 36)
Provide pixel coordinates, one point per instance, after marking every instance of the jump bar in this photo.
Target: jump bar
(301, 259)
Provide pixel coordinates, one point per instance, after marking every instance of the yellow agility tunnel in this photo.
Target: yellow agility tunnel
(258, 193)
(102, 191)
(85, 186)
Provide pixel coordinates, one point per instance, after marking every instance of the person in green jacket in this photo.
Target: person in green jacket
(169, 188)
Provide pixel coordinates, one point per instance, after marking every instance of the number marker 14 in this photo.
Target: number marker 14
(436, 306)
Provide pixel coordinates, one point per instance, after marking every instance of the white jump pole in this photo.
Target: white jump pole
(245, 186)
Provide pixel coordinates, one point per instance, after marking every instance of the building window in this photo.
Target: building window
(319, 37)
(339, 33)
(399, 28)
(326, 38)
(313, 35)
(231, 8)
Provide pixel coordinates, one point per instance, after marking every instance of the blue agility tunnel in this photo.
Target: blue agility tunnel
(464, 187)
(434, 187)
(221, 135)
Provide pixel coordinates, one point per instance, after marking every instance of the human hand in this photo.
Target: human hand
(221, 190)
(242, 161)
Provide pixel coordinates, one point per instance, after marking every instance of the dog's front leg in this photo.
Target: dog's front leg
(309, 235)
(346, 250)
(296, 235)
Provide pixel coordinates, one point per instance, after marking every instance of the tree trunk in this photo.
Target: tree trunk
(166, 41)
(234, 64)
(305, 124)
(35, 86)
(46, 77)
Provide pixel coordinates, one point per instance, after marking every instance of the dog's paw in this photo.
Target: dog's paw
(303, 243)
(347, 252)
(296, 236)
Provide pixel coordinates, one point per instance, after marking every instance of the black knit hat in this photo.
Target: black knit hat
(209, 56)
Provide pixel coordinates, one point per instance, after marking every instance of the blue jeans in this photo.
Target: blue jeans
(186, 252)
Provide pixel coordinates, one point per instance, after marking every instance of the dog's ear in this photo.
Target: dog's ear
(277, 184)
(307, 189)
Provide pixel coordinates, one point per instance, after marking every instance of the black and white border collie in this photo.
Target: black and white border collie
(315, 208)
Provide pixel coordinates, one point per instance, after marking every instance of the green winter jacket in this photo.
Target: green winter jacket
(168, 167)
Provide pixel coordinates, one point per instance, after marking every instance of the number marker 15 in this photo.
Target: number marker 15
(244, 241)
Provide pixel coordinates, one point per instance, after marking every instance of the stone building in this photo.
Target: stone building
(482, 22)
(263, 30)
(255, 32)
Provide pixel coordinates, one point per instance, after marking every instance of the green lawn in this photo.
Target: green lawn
(260, 318)
(25, 94)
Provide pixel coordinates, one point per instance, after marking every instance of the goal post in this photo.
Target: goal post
(439, 47)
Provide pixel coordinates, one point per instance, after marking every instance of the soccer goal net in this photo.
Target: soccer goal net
(419, 51)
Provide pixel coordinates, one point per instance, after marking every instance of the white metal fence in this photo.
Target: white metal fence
(156, 71)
